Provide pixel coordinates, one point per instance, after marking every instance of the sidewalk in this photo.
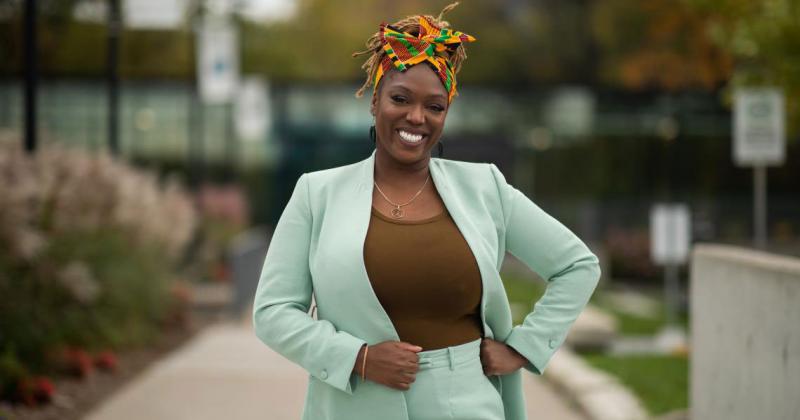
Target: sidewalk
(226, 372)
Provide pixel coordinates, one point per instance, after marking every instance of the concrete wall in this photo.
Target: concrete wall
(745, 335)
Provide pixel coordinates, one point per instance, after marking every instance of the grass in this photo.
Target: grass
(525, 291)
(521, 291)
(660, 382)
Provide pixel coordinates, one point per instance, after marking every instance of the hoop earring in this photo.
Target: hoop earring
(372, 133)
(441, 148)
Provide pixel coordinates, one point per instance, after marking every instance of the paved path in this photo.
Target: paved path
(226, 372)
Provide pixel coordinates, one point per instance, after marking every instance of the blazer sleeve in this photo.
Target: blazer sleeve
(283, 297)
(570, 269)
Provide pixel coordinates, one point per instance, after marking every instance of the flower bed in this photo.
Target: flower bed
(90, 250)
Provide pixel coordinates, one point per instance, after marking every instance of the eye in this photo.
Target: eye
(399, 99)
(436, 108)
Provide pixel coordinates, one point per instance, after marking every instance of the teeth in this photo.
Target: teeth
(413, 138)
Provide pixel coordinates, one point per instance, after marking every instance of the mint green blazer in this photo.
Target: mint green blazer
(317, 248)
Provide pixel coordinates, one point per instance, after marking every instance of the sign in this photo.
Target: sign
(252, 110)
(759, 127)
(670, 233)
(217, 61)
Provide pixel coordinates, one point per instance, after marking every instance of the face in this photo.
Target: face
(409, 108)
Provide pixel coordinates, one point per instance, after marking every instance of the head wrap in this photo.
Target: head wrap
(433, 45)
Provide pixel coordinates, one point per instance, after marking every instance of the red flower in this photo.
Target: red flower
(35, 390)
(43, 389)
(106, 360)
(79, 362)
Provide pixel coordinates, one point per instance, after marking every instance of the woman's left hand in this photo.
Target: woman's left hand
(498, 358)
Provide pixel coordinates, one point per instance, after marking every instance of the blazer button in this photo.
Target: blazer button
(323, 374)
(553, 343)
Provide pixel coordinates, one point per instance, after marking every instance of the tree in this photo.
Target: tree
(657, 44)
(763, 37)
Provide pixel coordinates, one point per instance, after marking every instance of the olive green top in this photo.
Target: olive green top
(426, 278)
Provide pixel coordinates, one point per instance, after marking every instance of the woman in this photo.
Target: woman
(402, 251)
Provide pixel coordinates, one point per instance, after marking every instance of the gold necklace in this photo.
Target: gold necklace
(397, 212)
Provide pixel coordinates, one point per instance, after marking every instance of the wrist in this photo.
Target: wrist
(359, 360)
(521, 359)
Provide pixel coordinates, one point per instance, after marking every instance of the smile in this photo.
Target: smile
(410, 138)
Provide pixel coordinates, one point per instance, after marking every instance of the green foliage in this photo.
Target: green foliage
(133, 298)
(763, 37)
(88, 248)
(11, 371)
(157, 54)
(661, 382)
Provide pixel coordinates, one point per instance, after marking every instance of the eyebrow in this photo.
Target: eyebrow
(403, 87)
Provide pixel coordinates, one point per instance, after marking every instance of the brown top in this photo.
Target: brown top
(426, 278)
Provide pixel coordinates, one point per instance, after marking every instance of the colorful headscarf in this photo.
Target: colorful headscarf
(404, 50)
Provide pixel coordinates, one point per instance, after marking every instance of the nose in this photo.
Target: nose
(415, 115)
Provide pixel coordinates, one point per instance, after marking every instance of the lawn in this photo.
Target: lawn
(521, 291)
(660, 382)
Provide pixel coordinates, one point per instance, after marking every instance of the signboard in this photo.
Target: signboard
(670, 233)
(217, 61)
(154, 14)
(759, 127)
(252, 110)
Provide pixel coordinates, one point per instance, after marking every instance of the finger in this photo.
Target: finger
(411, 347)
(408, 364)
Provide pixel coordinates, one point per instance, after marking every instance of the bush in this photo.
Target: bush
(88, 251)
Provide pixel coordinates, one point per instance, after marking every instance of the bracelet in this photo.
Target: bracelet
(364, 364)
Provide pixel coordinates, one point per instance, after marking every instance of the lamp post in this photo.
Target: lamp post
(114, 27)
(31, 73)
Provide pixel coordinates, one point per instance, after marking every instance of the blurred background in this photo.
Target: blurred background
(147, 147)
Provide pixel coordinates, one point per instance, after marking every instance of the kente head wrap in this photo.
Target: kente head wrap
(432, 45)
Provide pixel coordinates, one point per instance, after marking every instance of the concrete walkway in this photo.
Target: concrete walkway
(226, 372)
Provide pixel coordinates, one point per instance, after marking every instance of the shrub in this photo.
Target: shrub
(89, 247)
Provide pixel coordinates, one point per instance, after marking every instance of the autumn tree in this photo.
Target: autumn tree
(763, 37)
(657, 44)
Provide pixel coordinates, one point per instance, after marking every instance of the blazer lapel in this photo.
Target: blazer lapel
(380, 326)
(455, 206)
(362, 207)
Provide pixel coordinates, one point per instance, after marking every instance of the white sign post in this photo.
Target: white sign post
(670, 240)
(759, 139)
(217, 60)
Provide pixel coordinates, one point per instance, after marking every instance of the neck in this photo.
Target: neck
(398, 175)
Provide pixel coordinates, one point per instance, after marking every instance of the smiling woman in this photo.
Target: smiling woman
(409, 109)
(402, 251)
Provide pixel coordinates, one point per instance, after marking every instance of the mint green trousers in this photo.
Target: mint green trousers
(451, 384)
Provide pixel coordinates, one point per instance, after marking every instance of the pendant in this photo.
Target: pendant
(397, 212)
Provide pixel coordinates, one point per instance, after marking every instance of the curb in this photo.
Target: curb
(600, 395)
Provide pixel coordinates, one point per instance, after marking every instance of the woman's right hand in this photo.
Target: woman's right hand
(391, 363)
